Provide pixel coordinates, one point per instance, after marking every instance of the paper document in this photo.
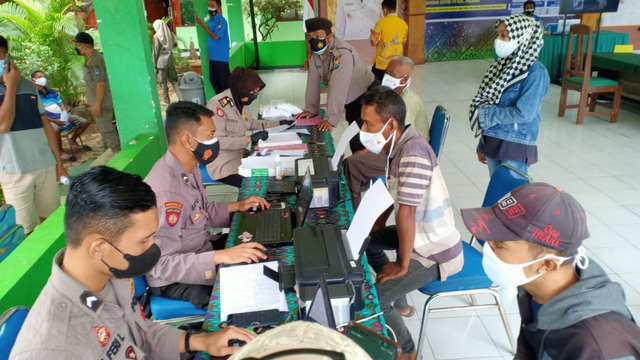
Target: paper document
(244, 288)
(348, 134)
(314, 121)
(373, 204)
(296, 153)
(304, 147)
(287, 163)
(297, 131)
(280, 139)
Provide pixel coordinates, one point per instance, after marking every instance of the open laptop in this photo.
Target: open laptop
(274, 226)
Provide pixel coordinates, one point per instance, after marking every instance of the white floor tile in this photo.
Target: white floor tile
(607, 183)
(460, 338)
(603, 237)
(614, 214)
(495, 328)
(621, 259)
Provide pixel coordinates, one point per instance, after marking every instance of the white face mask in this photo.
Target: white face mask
(41, 81)
(393, 83)
(374, 142)
(511, 275)
(506, 48)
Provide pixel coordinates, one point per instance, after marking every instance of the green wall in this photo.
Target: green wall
(25, 272)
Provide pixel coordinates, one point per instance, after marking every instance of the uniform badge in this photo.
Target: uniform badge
(197, 216)
(219, 112)
(220, 25)
(336, 61)
(130, 353)
(224, 101)
(102, 334)
(173, 210)
(96, 70)
(207, 154)
(245, 117)
(132, 288)
(90, 300)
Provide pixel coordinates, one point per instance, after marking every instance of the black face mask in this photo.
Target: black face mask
(78, 52)
(213, 12)
(138, 265)
(529, 11)
(317, 44)
(250, 98)
(206, 151)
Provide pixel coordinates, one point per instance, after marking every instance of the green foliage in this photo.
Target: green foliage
(268, 12)
(39, 32)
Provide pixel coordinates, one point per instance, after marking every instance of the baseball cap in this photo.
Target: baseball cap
(83, 38)
(536, 212)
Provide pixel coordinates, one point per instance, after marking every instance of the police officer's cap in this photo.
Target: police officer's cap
(318, 23)
(84, 38)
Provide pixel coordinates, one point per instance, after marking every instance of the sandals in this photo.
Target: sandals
(69, 157)
(412, 310)
(83, 147)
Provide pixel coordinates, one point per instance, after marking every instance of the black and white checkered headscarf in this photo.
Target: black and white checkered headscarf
(505, 72)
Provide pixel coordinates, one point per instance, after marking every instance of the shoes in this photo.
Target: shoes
(412, 310)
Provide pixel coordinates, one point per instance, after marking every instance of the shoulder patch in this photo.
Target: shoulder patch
(220, 25)
(226, 101)
(96, 70)
(172, 212)
(219, 112)
(102, 335)
(336, 61)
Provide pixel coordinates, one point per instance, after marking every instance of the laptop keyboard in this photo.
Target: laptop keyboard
(269, 225)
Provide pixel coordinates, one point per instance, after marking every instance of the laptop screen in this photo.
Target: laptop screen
(320, 310)
(305, 196)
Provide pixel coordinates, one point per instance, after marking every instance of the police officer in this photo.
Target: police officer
(187, 268)
(233, 119)
(98, 89)
(337, 64)
(89, 309)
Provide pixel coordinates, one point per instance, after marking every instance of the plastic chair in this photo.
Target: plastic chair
(10, 241)
(577, 77)
(67, 131)
(438, 129)
(7, 218)
(168, 311)
(472, 280)
(206, 178)
(10, 324)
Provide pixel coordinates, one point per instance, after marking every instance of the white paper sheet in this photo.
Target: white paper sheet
(373, 204)
(296, 153)
(244, 288)
(279, 139)
(348, 134)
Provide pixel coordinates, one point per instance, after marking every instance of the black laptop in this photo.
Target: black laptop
(274, 226)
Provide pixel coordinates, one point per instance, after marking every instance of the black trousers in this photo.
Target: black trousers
(352, 113)
(219, 75)
(378, 73)
(233, 180)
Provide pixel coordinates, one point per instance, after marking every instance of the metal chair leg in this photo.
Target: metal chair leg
(505, 320)
(473, 299)
(73, 152)
(423, 326)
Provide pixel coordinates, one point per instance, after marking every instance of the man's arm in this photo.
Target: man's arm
(206, 28)
(374, 38)
(157, 49)
(381, 222)
(99, 96)
(8, 108)
(339, 88)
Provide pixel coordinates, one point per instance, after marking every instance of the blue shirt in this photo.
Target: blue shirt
(218, 49)
(51, 97)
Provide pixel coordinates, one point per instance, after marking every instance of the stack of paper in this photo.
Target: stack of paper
(266, 166)
(280, 139)
(254, 291)
(314, 121)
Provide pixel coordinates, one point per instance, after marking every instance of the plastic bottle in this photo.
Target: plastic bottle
(278, 168)
(64, 180)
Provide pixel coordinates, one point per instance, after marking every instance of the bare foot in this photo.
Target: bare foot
(408, 312)
(410, 356)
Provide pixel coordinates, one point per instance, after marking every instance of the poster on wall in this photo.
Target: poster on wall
(353, 19)
(465, 29)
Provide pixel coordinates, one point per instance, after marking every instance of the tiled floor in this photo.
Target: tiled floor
(597, 162)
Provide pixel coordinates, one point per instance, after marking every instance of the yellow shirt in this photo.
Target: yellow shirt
(390, 32)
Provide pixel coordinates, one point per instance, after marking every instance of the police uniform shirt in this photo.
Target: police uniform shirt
(185, 215)
(68, 321)
(231, 130)
(355, 18)
(95, 71)
(345, 74)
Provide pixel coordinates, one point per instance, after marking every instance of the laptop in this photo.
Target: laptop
(274, 226)
(320, 310)
(281, 187)
(562, 25)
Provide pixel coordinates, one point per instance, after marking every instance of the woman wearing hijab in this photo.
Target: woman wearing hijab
(233, 119)
(163, 42)
(506, 109)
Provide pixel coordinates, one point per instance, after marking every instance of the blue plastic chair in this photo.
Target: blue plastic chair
(168, 311)
(10, 324)
(472, 280)
(7, 218)
(10, 241)
(438, 129)
(206, 178)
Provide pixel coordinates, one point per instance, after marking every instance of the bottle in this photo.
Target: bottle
(278, 168)
(64, 180)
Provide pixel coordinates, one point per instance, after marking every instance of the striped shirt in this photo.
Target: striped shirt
(415, 179)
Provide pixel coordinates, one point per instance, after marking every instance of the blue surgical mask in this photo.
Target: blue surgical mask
(1, 67)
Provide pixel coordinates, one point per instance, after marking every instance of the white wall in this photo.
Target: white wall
(628, 14)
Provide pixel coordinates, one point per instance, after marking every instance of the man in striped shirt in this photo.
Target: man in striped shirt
(425, 239)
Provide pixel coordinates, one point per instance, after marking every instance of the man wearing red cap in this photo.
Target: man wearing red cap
(570, 309)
